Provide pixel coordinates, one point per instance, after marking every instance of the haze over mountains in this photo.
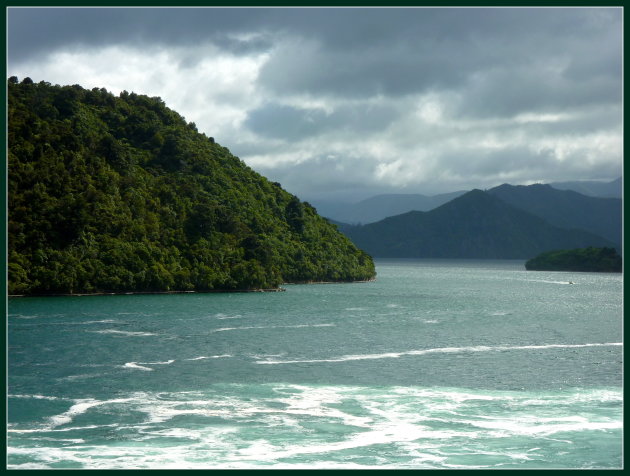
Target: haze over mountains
(382, 206)
(592, 188)
(507, 222)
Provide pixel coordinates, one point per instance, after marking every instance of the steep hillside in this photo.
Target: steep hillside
(475, 225)
(566, 208)
(111, 193)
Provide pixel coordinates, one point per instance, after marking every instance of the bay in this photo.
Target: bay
(436, 364)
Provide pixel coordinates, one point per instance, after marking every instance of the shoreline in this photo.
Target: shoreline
(332, 282)
(209, 291)
(133, 293)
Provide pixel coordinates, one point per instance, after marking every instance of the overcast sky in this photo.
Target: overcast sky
(349, 103)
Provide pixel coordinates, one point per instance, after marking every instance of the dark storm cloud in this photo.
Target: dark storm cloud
(370, 51)
(36, 31)
(397, 52)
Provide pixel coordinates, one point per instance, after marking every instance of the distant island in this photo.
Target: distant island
(121, 194)
(590, 259)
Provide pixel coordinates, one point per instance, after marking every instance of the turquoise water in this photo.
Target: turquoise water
(437, 364)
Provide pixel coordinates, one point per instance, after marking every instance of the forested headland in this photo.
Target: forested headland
(120, 194)
(582, 259)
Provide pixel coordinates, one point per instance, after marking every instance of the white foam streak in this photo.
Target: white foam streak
(541, 427)
(79, 408)
(266, 452)
(440, 350)
(168, 362)
(548, 281)
(203, 357)
(134, 365)
(37, 397)
(401, 427)
(224, 316)
(224, 329)
(123, 333)
(71, 378)
(48, 429)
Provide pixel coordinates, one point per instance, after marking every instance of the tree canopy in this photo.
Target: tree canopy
(581, 259)
(119, 193)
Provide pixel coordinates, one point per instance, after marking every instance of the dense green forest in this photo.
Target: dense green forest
(119, 193)
(583, 259)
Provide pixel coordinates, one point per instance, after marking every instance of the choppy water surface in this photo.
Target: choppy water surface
(437, 364)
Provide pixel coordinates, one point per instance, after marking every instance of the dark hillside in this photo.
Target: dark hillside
(566, 208)
(475, 225)
(117, 194)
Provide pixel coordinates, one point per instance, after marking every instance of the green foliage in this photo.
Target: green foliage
(112, 194)
(581, 259)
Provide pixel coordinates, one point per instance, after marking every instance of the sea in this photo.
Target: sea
(437, 364)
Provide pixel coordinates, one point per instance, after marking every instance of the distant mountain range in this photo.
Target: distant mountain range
(566, 208)
(382, 206)
(503, 223)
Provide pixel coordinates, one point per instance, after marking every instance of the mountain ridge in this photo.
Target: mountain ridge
(593, 188)
(378, 207)
(566, 208)
(474, 225)
(381, 206)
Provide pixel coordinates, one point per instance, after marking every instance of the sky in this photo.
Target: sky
(347, 103)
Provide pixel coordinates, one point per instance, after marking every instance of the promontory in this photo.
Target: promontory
(121, 194)
(582, 259)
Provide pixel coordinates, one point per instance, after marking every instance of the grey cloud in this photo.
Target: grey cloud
(291, 123)
(372, 67)
(518, 160)
(358, 52)
(505, 93)
(592, 120)
(520, 164)
(285, 122)
(359, 74)
(415, 50)
(242, 47)
(325, 176)
(36, 31)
